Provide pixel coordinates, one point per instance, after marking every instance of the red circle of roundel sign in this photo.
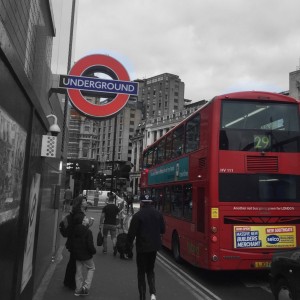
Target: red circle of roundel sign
(122, 87)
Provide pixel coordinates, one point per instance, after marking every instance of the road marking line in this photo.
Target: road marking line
(195, 285)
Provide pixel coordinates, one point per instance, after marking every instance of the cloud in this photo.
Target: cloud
(213, 46)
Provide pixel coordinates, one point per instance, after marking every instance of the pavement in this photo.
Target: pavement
(114, 279)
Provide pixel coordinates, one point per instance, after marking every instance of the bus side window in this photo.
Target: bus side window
(167, 201)
(223, 143)
(161, 152)
(169, 147)
(159, 197)
(178, 141)
(187, 202)
(192, 135)
(176, 201)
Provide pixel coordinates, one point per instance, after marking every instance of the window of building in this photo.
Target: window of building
(85, 149)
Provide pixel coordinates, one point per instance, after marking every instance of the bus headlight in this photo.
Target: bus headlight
(214, 258)
(214, 229)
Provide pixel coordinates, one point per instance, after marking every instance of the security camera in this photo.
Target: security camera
(54, 128)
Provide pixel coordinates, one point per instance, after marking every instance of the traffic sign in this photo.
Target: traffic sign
(98, 63)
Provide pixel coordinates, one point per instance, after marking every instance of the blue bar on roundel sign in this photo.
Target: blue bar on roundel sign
(98, 85)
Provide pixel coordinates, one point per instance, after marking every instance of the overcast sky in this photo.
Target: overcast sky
(214, 46)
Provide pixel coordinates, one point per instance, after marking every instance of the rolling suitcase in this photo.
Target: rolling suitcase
(122, 246)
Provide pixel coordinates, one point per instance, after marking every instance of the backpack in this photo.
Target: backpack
(65, 225)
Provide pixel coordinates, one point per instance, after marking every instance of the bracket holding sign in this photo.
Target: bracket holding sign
(77, 82)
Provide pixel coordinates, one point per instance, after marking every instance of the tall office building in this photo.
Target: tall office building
(93, 139)
(161, 95)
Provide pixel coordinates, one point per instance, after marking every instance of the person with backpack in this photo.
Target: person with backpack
(83, 250)
(78, 210)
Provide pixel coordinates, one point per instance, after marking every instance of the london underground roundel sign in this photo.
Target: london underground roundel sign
(75, 83)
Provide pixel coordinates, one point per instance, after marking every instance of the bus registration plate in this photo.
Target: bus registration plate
(262, 264)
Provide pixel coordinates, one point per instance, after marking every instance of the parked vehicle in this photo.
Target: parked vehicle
(102, 197)
(285, 275)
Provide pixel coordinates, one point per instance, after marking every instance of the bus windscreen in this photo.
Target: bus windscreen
(259, 126)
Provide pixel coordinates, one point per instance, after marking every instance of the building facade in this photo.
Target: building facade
(29, 182)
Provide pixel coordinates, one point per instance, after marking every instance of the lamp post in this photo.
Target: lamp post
(113, 155)
(69, 67)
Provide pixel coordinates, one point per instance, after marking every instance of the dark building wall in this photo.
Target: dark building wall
(28, 182)
(12, 172)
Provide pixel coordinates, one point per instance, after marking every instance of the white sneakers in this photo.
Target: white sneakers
(153, 297)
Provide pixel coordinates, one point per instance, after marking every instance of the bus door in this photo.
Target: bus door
(200, 218)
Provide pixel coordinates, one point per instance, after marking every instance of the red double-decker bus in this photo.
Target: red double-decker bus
(227, 180)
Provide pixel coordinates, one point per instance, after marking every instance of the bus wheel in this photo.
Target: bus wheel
(176, 247)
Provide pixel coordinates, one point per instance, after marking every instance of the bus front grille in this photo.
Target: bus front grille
(262, 164)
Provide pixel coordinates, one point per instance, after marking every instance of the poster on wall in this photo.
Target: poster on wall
(29, 245)
(12, 157)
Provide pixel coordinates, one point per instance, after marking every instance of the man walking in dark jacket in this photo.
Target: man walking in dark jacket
(147, 226)
(83, 250)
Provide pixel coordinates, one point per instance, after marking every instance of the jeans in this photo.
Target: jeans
(69, 280)
(145, 266)
(81, 265)
(130, 208)
(112, 229)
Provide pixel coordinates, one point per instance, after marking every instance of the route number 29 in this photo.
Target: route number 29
(262, 142)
